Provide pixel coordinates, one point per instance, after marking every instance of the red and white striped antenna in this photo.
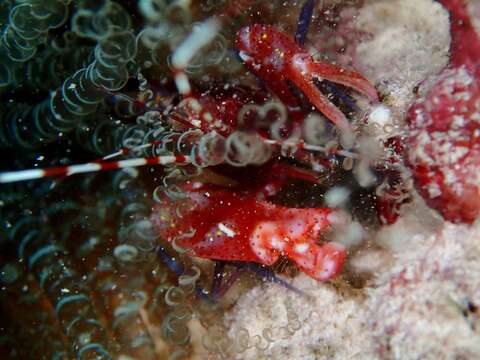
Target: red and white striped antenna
(23, 175)
(103, 165)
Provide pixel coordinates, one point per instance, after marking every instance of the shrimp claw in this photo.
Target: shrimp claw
(276, 58)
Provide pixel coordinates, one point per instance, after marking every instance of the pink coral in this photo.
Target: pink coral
(444, 136)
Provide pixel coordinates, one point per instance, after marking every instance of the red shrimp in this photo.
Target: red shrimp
(276, 58)
(240, 225)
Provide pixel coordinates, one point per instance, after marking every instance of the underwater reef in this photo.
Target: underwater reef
(239, 179)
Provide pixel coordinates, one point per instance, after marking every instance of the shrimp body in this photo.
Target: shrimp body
(235, 225)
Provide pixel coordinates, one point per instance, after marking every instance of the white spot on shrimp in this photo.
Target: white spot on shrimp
(301, 248)
(300, 62)
(277, 243)
(259, 240)
(226, 230)
(296, 228)
(328, 267)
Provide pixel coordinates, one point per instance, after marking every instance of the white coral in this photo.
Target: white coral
(425, 307)
(409, 41)
(328, 324)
